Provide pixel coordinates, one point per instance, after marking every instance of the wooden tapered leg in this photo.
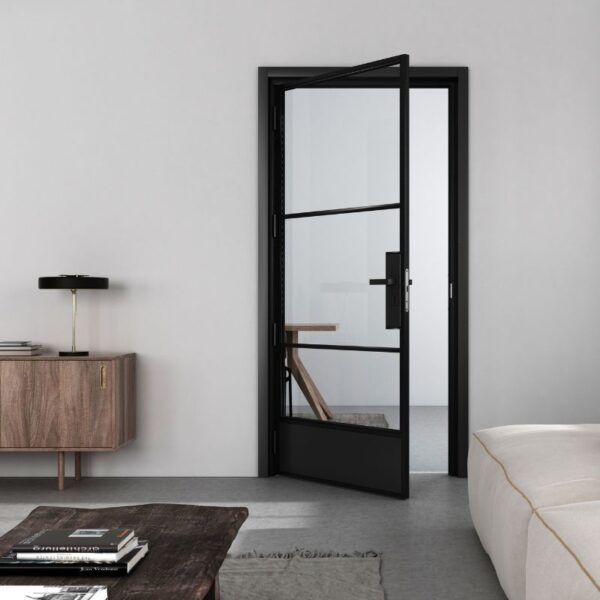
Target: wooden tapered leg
(304, 380)
(214, 593)
(77, 466)
(61, 471)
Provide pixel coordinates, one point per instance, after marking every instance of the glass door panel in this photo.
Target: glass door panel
(358, 388)
(341, 148)
(329, 263)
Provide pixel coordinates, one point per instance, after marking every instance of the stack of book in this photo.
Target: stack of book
(11, 348)
(75, 552)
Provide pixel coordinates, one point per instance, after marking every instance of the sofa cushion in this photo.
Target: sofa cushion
(501, 516)
(563, 553)
(549, 464)
(516, 470)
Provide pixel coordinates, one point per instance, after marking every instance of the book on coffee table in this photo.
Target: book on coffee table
(103, 557)
(76, 540)
(11, 565)
(53, 592)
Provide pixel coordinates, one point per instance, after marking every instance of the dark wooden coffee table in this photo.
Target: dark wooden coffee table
(187, 547)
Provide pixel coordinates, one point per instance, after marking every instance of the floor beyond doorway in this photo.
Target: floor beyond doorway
(429, 439)
(430, 549)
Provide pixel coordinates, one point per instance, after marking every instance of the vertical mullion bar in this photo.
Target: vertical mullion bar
(281, 256)
(452, 429)
(276, 206)
(404, 259)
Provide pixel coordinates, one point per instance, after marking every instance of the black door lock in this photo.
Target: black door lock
(392, 289)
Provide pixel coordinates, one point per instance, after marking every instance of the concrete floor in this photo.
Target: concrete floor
(430, 549)
(429, 439)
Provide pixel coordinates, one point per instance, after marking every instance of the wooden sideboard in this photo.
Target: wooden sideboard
(67, 404)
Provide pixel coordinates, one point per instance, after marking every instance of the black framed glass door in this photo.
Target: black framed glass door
(341, 266)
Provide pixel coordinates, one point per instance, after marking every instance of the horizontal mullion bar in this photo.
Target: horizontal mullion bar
(336, 347)
(330, 423)
(342, 211)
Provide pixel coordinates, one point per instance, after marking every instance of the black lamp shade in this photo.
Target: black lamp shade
(73, 282)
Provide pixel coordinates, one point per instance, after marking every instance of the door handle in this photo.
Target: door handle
(381, 282)
(393, 290)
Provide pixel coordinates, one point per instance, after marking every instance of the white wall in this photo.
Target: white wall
(128, 149)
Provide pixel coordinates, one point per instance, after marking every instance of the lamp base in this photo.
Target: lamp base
(78, 353)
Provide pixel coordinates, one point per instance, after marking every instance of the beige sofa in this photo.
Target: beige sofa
(534, 494)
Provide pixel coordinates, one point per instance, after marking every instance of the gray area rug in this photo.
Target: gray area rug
(302, 575)
(368, 419)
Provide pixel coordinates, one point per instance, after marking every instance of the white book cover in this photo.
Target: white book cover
(53, 592)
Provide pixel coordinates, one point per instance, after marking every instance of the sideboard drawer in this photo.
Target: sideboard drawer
(57, 404)
(28, 404)
(86, 404)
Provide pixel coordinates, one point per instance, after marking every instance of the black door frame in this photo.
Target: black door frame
(455, 79)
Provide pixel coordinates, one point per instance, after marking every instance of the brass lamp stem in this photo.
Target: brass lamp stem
(74, 321)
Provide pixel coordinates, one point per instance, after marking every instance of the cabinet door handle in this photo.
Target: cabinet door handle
(102, 377)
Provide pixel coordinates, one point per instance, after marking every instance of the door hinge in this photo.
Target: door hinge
(274, 118)
(274, 226)
(451, 292)
(407, 284)
(274, 334)
(274, 441)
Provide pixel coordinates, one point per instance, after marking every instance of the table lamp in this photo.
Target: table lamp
(73, 283)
